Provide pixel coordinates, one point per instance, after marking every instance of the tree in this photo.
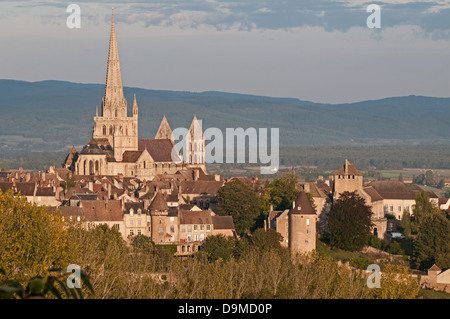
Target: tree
(238, 200)
(349, 222)
(396, 283)
(421, 209)
(219, 246)
(32, 240)
(432, 244)
(69, 182)
(280, 193)
(405, 223)
(441, 184)
(400, 177)
(266, 239)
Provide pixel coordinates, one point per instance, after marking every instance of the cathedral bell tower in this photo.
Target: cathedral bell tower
(114, 124)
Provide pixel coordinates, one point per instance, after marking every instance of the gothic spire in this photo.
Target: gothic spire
(114, 97)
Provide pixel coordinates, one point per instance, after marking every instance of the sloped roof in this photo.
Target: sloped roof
(372, 193)
(200, 187)
(99, 146)
(195, 217)
(159, 149)
(26, 188)
(131, 156)
(434, 268)
(302, 205)
(348, 169)
(101, 210)
(222, 222)
(397, 190)
(158, 203)
(45, 191)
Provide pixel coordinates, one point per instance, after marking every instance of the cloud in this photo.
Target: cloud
(430, 17)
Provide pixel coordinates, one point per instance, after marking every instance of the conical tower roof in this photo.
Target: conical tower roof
(113, 89)
(302, 205)
(158, 203)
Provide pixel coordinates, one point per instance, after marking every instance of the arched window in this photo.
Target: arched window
(110, 130)
(104, 129)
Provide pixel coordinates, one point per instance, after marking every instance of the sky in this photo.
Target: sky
(315, 50)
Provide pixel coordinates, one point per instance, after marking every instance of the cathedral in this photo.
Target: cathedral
(115, 147)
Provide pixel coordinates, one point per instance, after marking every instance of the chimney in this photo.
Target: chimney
(91, 186)
(307, 187)
(109, 190)
(27, 177)
(293, 204)
(271, 208)
(217, 177)
(327, 182)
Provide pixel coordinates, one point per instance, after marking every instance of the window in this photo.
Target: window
(307, 222)
(172, 229)
(196, 237)
(202, 227)
(407, 208)
(195, 227)
(117, 226)
(131, 232)
(306, 241)
(188, 238)
(399, 208)
(202, 237)
(148, 218)
(208, 227)
(183, 228)
(160, 231)
(131, 222)
(307, 231)
(392, 208)
(139, 231)
(139, 212)
(385, 208)
(139, 222)
(189, 228)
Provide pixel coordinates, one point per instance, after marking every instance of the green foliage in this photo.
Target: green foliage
(432, 244)
(143, 243)
(31, 239)
(360, 263)
(280, 193)
(395, 248)
(219, 246)
(238, 200)
(396, 283)
(69, 182)
(375, 242)
(349, 222)
(54, 285)
(405, 224)
(266, 239)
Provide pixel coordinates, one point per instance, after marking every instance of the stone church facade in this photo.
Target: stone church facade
(115, 147)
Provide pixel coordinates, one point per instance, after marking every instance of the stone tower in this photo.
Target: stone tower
(164, 130)
(347, 179)
(158, 215)
(302, 225)
(195, 145)
(114, 124)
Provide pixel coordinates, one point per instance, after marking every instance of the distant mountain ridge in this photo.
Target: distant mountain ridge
(53, 115)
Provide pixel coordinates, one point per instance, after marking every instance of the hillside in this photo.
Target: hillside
(54, 115)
